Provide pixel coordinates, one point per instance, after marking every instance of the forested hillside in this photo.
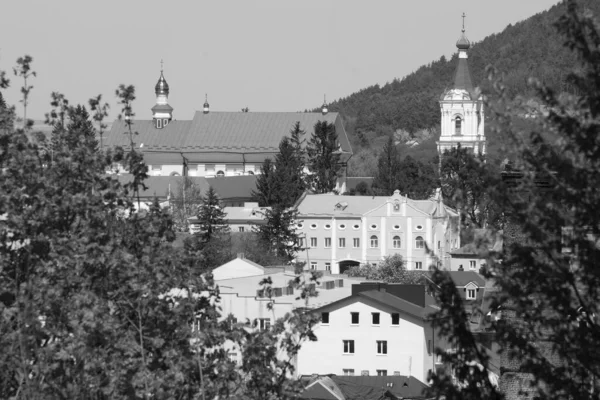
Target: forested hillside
(409, 106)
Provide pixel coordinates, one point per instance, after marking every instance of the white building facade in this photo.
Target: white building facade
(371, 333)
(339, 232)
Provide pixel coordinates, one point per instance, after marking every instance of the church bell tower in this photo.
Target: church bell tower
(462, 107)
(162, 112)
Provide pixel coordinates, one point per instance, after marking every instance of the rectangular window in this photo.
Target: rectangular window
(356, 243)
(375, 318)
(418, 265)
(471, 294)
(395, 319)
(348, 346)
(301, 242)
(240, 229)
(429, 346)
(342, 242)
(232, 357)
(209, 169)
(313, 265)
(328, 266)
(439, 245)
(324, 317)
(313, 242)
(472, 264)
(354, 318)
(327, 242)
(348, 372)
(264, 324)
(382, 347)
(382, 372)
(156, 167)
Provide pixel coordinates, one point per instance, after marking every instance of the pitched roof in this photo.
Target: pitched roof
(370, 387)
(158, 186)
(462, 278)
(229, 187)
(324, 205)
(251, 132)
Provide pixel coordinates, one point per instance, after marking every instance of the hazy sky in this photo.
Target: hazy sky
(268, 55)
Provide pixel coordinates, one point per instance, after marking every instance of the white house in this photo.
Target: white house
(381, 329)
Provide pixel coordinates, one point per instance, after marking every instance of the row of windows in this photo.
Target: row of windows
(373, 242)
(365, 372)
(355, 226)
(380, 346)
(355, 318)
(314, 265)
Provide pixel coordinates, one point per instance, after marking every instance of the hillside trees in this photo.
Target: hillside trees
(548, 285)
(388, 169)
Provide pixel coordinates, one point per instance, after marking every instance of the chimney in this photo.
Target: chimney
(240, 255)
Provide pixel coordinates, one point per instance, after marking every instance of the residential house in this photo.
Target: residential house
(239, 219)
(474, 255)
(340, 232)
(380, 329)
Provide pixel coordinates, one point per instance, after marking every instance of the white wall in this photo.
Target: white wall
(236, 268)
(406, 345)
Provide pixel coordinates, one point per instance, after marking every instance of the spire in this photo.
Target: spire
(324, 109)
(206, 107)
(462, 76)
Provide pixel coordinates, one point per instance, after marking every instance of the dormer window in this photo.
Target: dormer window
(458, 126)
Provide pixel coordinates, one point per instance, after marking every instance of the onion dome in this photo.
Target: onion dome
(463, 43)
(162, 87)
(324, 109)
(206, 106)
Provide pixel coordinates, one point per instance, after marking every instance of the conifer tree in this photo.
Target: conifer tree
(323, 158)
(388, 170)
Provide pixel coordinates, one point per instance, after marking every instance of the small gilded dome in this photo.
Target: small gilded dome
(463, 43)
(162, 87)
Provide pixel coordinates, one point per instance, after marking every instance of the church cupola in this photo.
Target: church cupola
(461, 106)
(324, 109)
(206, 106)
(162, 112)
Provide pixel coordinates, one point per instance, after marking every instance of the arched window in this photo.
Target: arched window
(250, 172)
(159, 123)
(175, 174)
(220, 173)
(458, 126)
(396, 242)
(165, 122)
(419, 242)
(374, 242)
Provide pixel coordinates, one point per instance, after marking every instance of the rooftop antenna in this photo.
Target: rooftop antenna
(161, 63)
(463, 18)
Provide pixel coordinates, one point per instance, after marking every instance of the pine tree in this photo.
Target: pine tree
(388, 169)
(211, 217)
(323, 158)
(279, 235)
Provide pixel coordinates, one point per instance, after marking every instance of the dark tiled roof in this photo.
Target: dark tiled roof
(231, 187)
(371, 387)
(158, 186)
(168, 138)
(462, 278)
(236, 132)
(398, 303)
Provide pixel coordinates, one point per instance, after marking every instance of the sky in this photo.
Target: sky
(267, 55)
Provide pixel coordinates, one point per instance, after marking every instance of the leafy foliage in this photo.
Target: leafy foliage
(391, 270)
(547, 280)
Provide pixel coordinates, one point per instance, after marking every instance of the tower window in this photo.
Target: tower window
(165, 122)
(159, 123)
(458, 126)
